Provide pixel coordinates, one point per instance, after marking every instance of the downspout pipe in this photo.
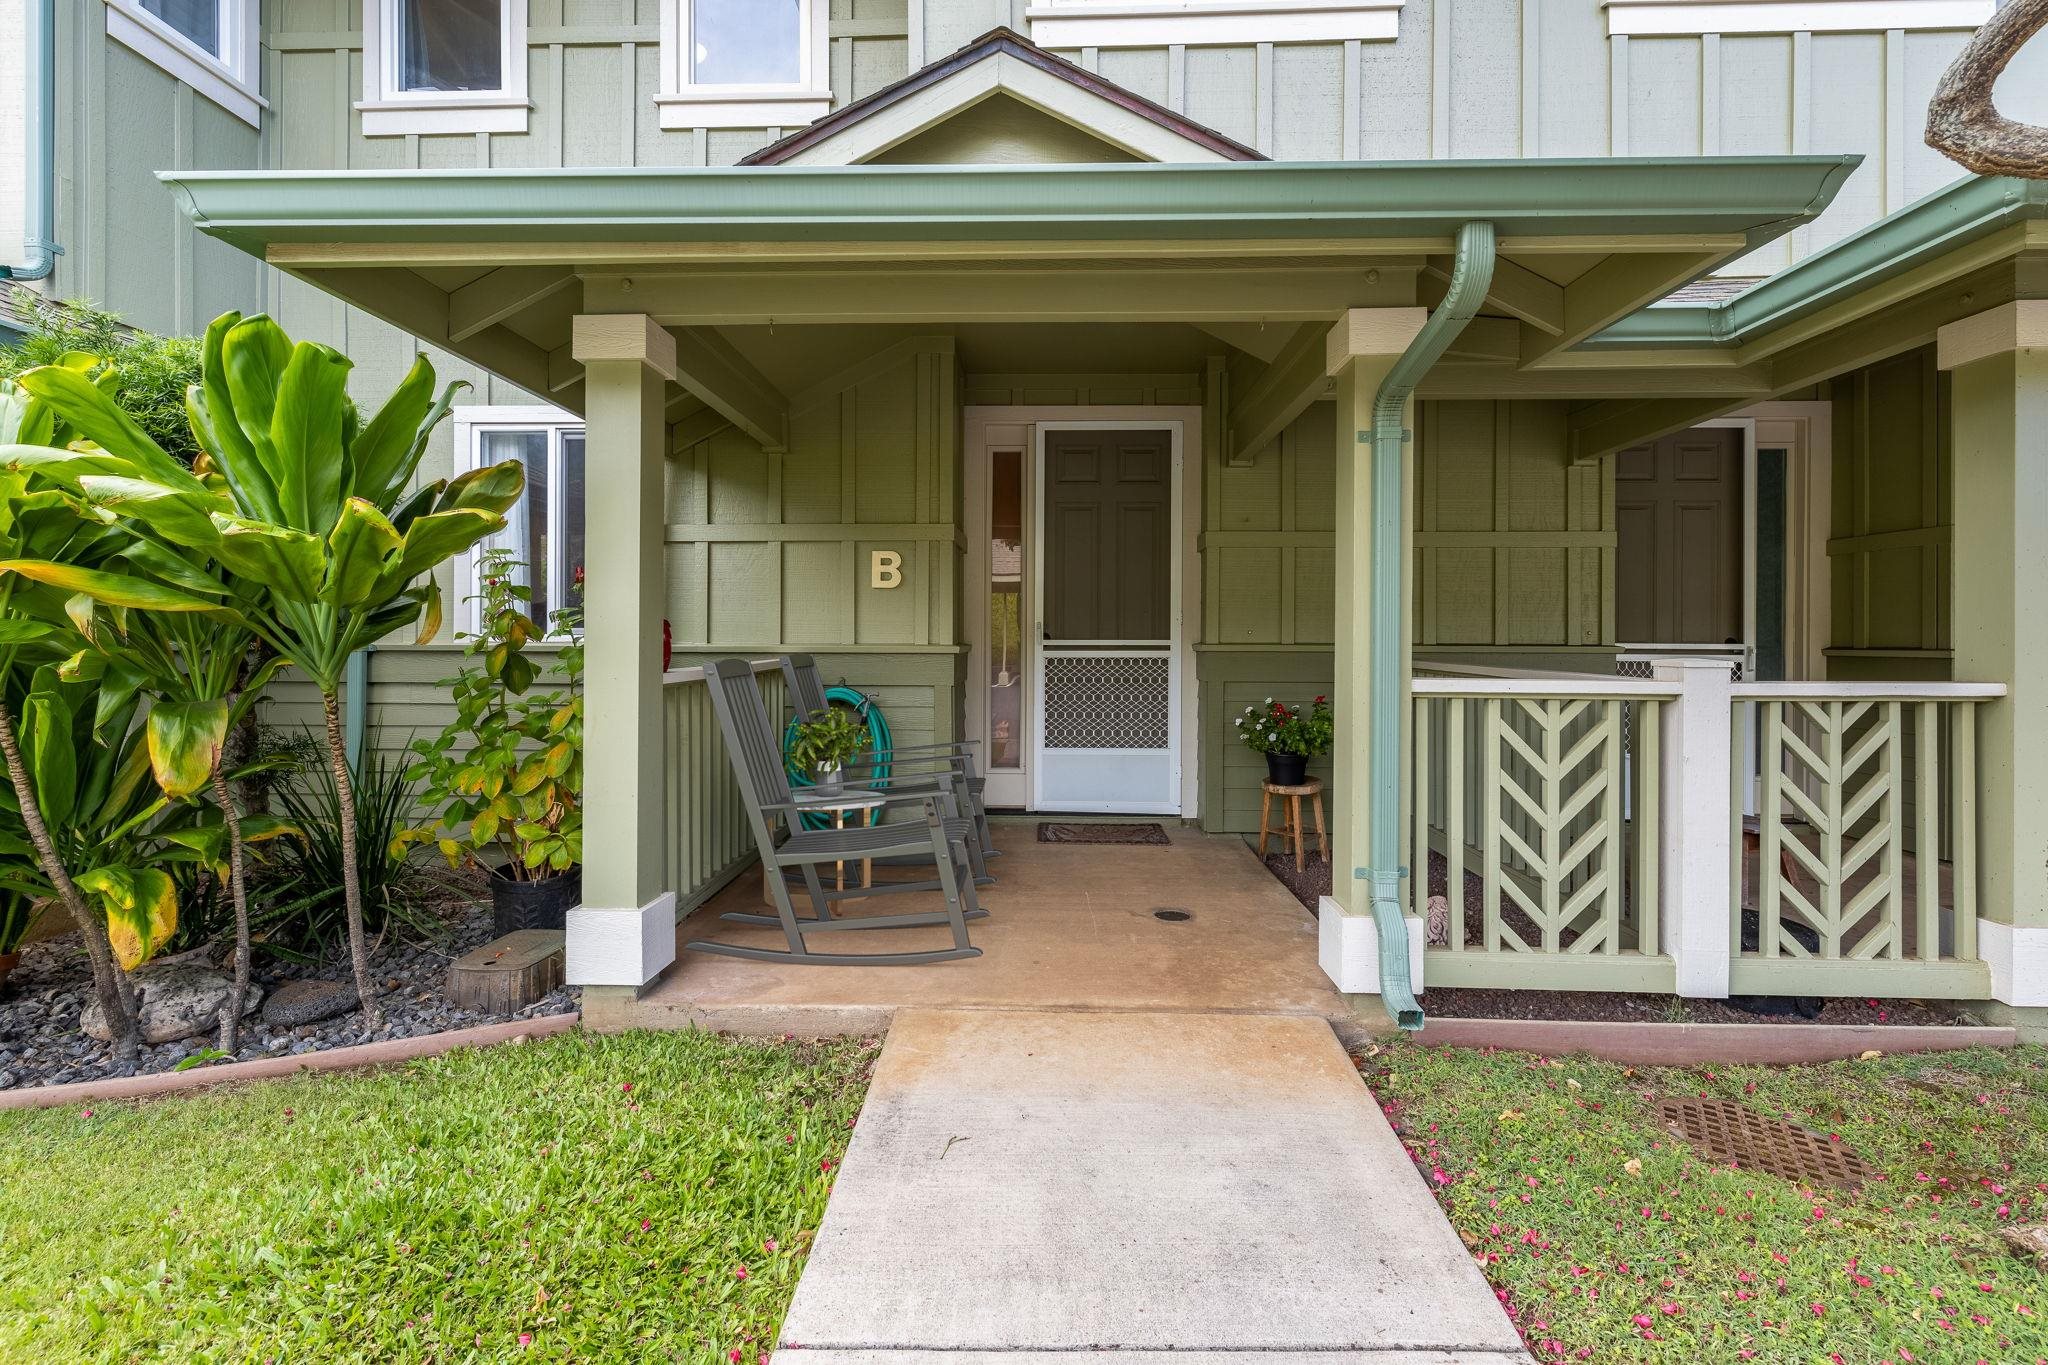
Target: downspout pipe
(1471, 277)
(40, 187)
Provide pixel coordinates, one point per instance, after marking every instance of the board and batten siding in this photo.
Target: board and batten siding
(771, 552)
(1513, 563)
(1891, 531)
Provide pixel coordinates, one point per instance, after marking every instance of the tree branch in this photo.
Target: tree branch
(1962, 122)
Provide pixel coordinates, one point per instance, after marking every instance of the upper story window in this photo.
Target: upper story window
(743, 63)
(1661, 18)
(1162, 23)
(444, 66)
(210, 45)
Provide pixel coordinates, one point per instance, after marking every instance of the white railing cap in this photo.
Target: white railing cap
(695, 673)
(1552, 686)
(1867, 691)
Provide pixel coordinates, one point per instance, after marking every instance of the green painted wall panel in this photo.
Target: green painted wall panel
(1890, 542)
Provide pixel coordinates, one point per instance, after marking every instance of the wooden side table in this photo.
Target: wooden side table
(842, 804)
(1291, 831)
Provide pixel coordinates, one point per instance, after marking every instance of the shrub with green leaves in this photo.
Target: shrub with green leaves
(827, 740)
(155, 370)
(506, 775)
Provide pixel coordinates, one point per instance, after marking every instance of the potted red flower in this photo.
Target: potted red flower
(1289, 736)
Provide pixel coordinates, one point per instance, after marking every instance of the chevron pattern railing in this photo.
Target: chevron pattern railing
(1536, 812)
(1864, 841)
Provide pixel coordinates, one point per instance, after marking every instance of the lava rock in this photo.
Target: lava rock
(177, 1000)
(297, 1003)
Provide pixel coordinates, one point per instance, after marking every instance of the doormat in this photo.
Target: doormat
(1050, 832)
(1730, 1134)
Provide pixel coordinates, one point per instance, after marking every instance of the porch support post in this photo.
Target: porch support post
(1696, 830)
(1998, 414)
(623, 935)
(1362, 349)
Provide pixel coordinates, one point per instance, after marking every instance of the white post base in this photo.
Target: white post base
(2018, 959)
(621, 947)
(1348, 948)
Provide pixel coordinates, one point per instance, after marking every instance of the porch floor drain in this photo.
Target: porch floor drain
(1728, 1133)
(1172, 916)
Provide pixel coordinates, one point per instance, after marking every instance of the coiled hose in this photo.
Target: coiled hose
(880, 743)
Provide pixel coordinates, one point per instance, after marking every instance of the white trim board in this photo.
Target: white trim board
(230, 81)
(1348, 949)
(1691, 18)
(1196, 23)
(1002, 74)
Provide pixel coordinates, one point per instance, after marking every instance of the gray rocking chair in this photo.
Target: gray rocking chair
(913, 768)
(940, 839)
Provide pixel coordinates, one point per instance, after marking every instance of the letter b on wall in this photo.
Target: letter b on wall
(885, 569)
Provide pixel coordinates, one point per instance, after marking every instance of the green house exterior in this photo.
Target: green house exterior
(823, 342)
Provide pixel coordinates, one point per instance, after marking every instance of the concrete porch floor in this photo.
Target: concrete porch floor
(1070, 927)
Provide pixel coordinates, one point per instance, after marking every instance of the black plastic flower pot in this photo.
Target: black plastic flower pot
(540, 904)
(1286, 770)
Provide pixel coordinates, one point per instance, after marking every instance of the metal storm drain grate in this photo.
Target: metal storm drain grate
(1730, 1134)
(1172, 916)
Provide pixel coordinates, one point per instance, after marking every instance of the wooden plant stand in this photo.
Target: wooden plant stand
(1290, 830)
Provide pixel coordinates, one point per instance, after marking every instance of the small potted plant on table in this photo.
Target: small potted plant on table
(1289, 736)
(825, 743)
(506, 776)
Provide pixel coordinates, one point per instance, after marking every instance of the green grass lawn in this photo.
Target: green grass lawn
(643, 1197)
(1610, 1240)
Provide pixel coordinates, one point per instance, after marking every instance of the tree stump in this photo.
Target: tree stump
(507, 974)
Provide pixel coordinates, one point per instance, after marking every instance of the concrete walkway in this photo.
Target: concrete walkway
(1026, 1185)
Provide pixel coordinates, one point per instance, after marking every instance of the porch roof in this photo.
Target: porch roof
(494, 265)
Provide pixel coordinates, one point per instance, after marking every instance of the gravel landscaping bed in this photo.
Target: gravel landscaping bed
(40, 1041)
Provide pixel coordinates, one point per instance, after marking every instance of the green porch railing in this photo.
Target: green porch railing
(1861, 874)
(1539, 795)
(709, 842)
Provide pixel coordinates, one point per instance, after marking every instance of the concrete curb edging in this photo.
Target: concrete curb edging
(265, 1068)
(1686, 1044)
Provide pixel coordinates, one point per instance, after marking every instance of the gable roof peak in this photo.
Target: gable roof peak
(1083, 91)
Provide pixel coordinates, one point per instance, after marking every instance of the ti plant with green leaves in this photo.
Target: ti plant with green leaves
(507, 773)
(827, 741)
(199, 665)
(293, 491)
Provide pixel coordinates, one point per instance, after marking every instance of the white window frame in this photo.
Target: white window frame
(1194, 23)
(1693, 18)
(388, 111)
(470, 425)
(686, 104)
(230, 79)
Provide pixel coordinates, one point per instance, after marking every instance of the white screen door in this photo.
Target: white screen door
(1105, 714)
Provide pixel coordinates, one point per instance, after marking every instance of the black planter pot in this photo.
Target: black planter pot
(1287, 770)
(533, 905)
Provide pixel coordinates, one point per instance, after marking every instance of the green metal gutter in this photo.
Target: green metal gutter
(1471, 276)
(39, 188)
(1758, 198)
(1968, 211)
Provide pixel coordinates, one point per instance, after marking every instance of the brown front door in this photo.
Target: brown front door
(1678, 513)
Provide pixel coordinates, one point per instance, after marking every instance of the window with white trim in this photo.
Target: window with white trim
(1163, 23)
(1690, 18)
(545, 530)
(210, 45)
(744, 63)
(444, 66)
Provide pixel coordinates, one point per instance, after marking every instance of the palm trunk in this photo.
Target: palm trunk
(231, 1012)
(117, 1003)
(351, 883)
